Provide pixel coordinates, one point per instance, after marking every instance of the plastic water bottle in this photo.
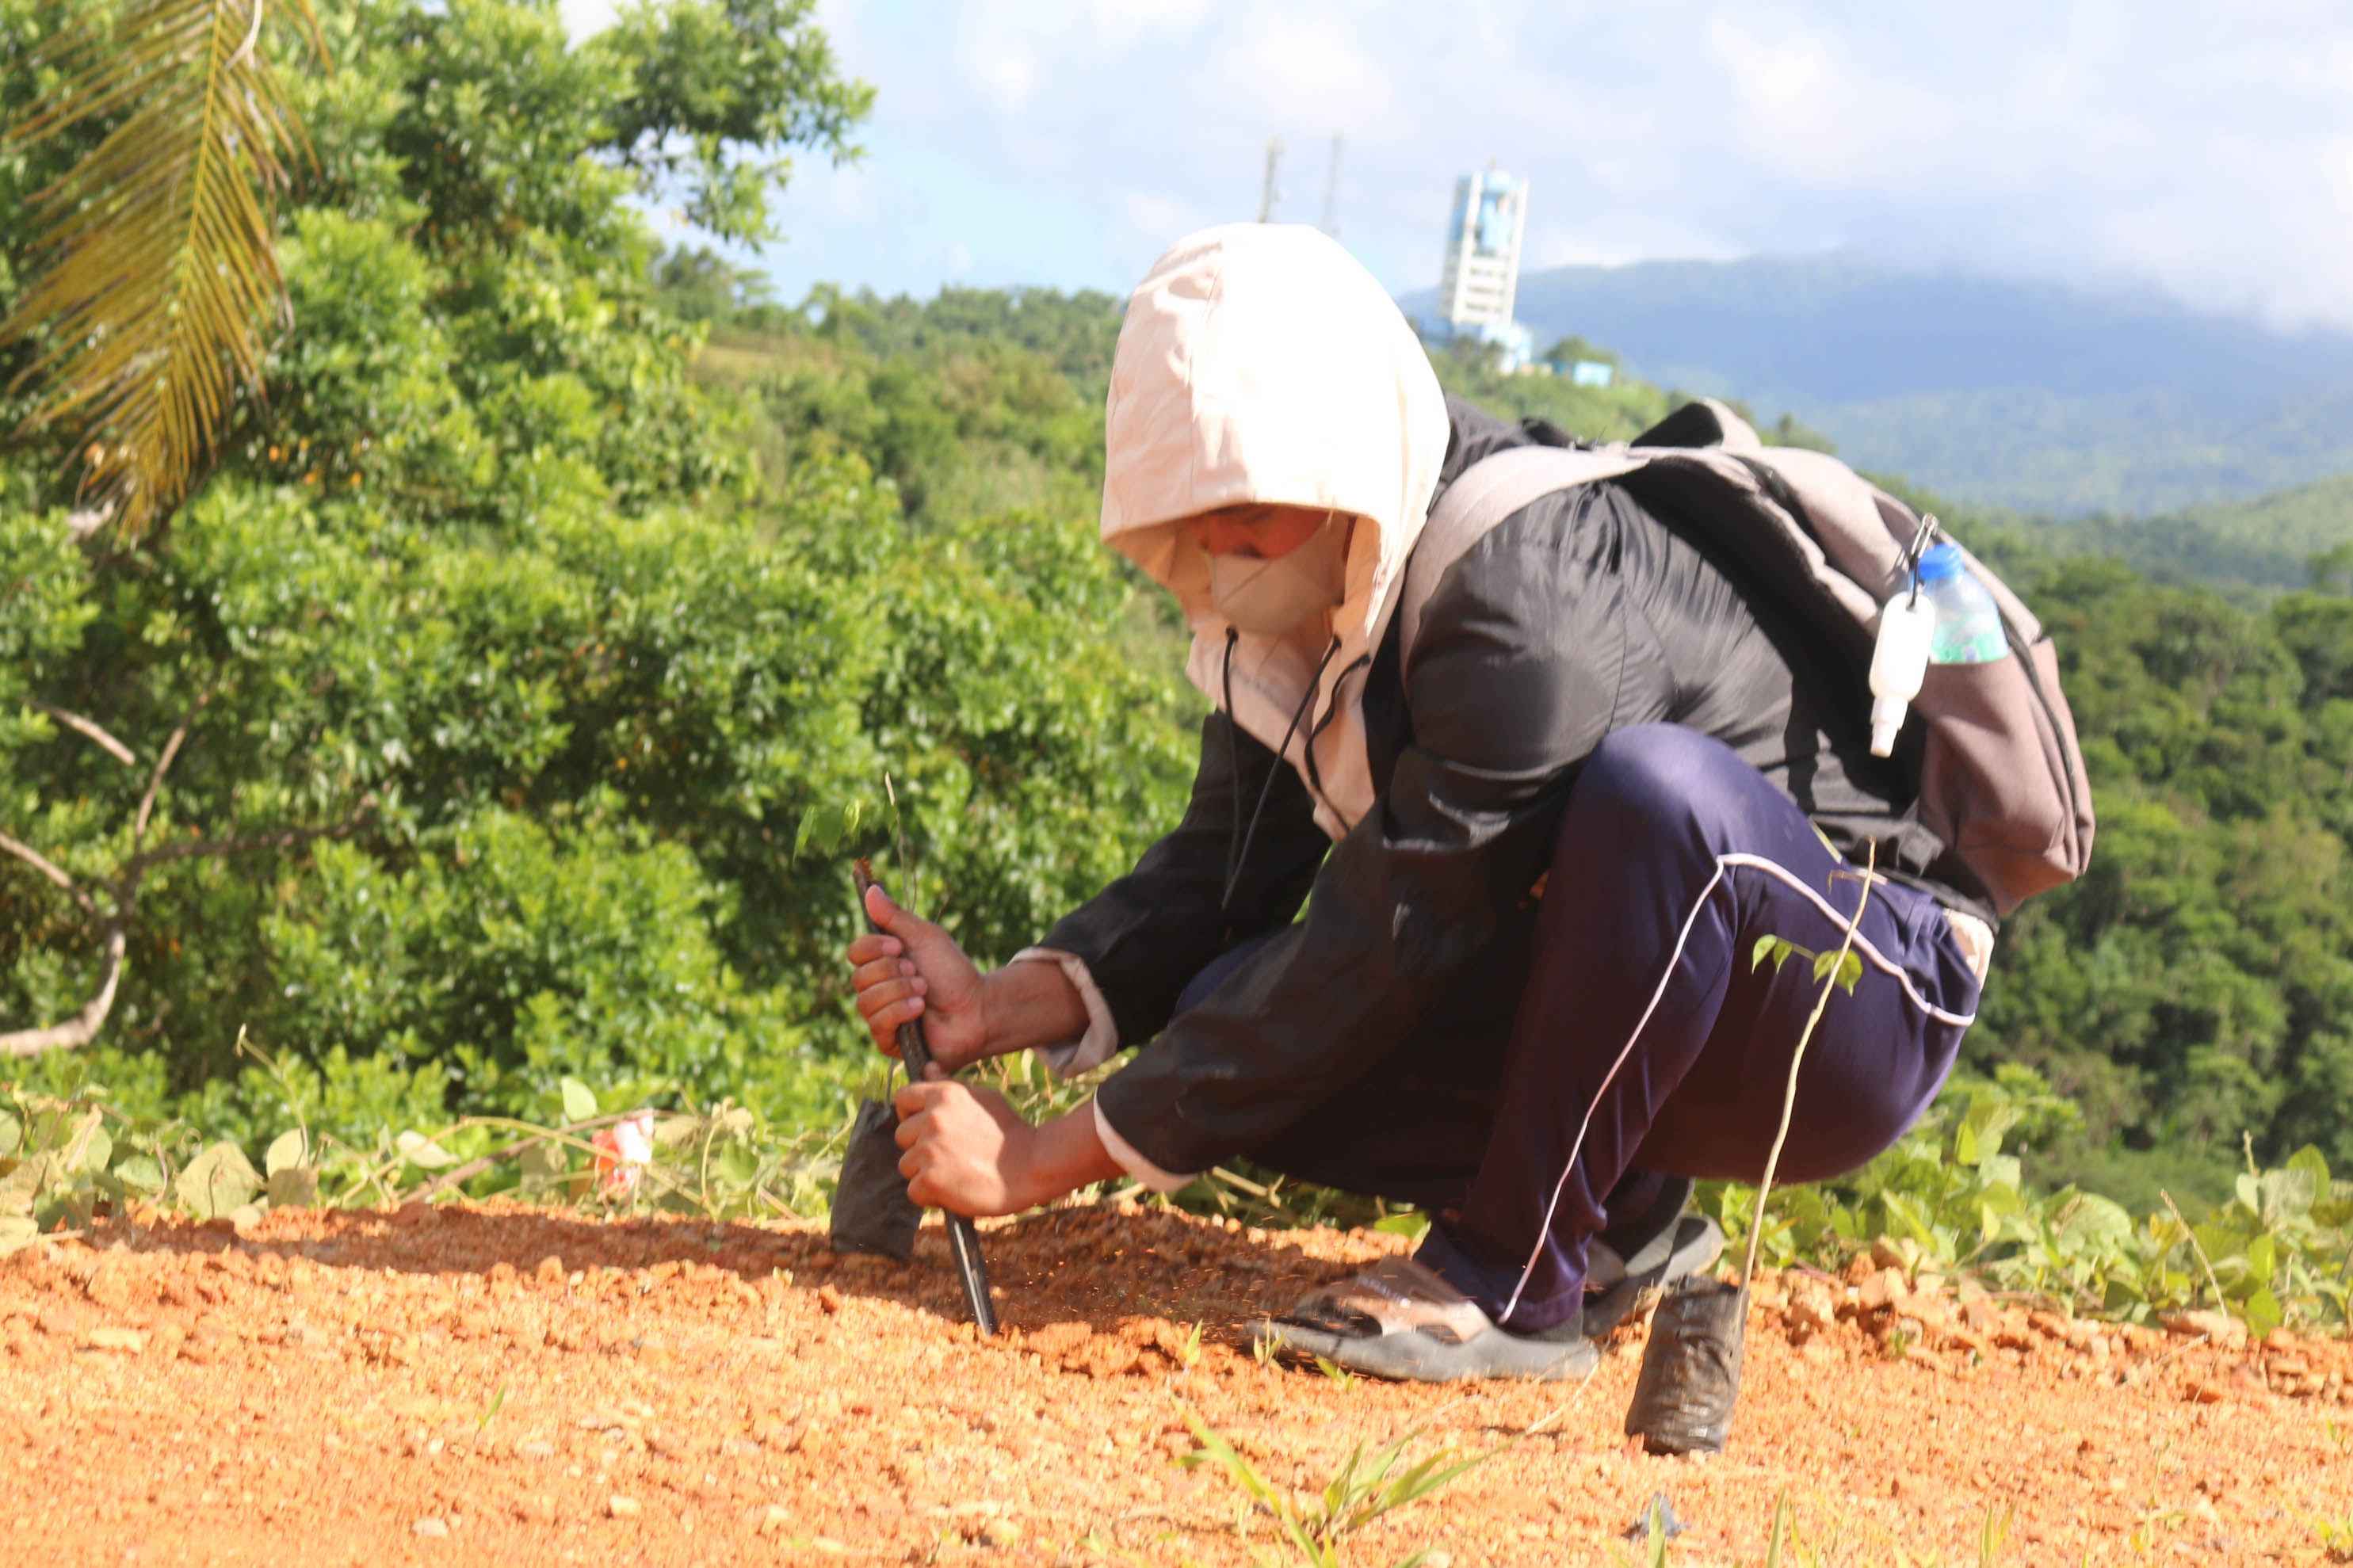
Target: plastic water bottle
(1968, 628)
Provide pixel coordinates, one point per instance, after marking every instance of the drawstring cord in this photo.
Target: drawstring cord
(1239, 855)
(1331, 711)
(1233, 776)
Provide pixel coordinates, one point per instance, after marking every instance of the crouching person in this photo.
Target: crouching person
(1536, 823)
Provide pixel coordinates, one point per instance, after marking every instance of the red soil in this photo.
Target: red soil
(509, 1384)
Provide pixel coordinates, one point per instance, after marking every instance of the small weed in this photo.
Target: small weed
(498, 1402)
(1787, 1545)
(1993, 1534)
(1654, 1536)
(1335, 1370)
(1364, 1490)
(2334, 1536)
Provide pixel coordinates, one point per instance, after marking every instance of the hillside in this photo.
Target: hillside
(2267, 543)
(2037, 396)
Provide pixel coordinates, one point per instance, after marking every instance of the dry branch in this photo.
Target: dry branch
(104, 741)
(48, 869)
(123, 891)
(84, 1026)
(163, 766)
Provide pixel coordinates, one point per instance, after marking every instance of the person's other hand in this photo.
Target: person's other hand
(911, 968)
(966, 1150)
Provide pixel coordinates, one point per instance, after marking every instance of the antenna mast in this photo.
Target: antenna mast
(1267, 192)
(1331, 192)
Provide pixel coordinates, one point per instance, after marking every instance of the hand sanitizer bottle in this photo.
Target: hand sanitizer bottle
(1899, 662)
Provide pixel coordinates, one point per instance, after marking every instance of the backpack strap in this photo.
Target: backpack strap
(1483, 495)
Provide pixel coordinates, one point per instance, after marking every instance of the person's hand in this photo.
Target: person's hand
(911, 969)
(966, 1150)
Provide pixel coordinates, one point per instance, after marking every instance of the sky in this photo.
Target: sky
(2204, 149)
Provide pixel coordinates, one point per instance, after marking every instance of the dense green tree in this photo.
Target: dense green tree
(454, 736)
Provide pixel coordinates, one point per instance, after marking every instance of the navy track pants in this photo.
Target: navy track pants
(1645, 1043)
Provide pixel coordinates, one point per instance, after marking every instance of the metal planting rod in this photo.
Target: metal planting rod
(964, 1241)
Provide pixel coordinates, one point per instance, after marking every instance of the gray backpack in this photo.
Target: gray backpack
(2001, 776)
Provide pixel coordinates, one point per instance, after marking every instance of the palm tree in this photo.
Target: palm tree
(157, 266)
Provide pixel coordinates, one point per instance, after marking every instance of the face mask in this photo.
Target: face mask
(1270, 598)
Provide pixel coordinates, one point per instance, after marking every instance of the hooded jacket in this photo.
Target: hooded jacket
(1261, 363)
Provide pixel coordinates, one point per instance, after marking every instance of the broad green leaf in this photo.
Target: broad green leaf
(2288, 1194)
(1907, 1218)
(96, 1148)
(2263, 1313)
(2095, 1226)
(2263, 1258)
(17, 1232)
(579, 1104)
(12, 1133)
(216, 1182)
(293, 1187)
(287, 1151)
(1413, 1225)
(544, 1164)
(738, 1162)
(2307, 1159)
(142, 1174)
(28, 1184)
(423, 1153)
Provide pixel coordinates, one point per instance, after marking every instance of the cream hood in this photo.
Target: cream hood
(1261, 362)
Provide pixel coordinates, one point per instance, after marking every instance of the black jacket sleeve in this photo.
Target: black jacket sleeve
(1528, 656)
(1146, 934)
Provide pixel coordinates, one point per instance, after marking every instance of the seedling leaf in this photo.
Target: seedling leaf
(423, 1153)
(288, 1149)
(293, 1187)
(142, 1173)
(217, 1183)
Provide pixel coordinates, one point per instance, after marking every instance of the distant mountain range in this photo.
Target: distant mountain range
(2042, 398)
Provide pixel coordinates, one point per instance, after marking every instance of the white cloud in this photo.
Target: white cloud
(1303, 67)
(582, 17)
(1003, 69)
(2206, 149)
(1616, 238)
(1160, 218)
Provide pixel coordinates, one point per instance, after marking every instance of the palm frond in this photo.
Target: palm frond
(157, 265)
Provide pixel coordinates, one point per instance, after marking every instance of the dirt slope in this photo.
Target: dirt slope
(510, 1385)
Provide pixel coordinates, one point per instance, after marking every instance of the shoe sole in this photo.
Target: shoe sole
(1417, 1357)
